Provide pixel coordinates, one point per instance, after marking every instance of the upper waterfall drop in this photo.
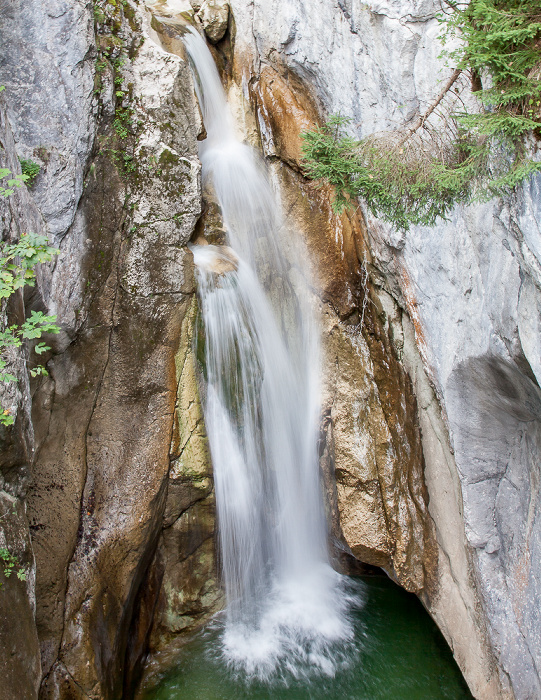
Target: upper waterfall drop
(286, 607)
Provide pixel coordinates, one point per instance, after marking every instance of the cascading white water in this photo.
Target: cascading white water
(286, 607)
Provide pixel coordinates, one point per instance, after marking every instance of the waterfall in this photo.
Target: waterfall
(286, 607)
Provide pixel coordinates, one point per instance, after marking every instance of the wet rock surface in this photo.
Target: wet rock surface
(432, 365)
(375, 446)
(446, 297)
(123, 282)
(190, 592)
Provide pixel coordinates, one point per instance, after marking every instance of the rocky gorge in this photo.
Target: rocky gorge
(430, 429)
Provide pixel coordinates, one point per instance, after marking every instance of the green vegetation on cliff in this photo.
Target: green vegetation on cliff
(30, 169)
(17, 270)
(115, 51)
(9, 564)
(418, 173)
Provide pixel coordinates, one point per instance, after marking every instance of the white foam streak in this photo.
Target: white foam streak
(286, 607)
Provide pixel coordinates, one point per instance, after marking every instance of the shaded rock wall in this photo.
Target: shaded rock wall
(40, 91)
(20, 665)
(141, 292)
(113, 122)
(190, 592)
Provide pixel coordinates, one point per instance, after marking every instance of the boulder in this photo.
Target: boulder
(214, 16)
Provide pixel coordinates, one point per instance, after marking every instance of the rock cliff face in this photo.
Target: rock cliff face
(113, 122)
(458, 304)
(432, 408)
(51, 123)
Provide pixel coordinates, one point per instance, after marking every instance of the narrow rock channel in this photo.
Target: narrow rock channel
(401, 479)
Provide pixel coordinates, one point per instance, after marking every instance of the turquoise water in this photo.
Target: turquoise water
(400, 655)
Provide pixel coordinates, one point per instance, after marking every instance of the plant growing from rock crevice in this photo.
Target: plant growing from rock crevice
(421, 171)
(30, 169)
(17, 270)
(9, 564)
(115, 50)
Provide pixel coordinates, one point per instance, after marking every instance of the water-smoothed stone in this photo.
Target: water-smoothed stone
(189, 588)
(288, 111)
(360, 437)
(189, 519)
(214, 16)
(221, 261)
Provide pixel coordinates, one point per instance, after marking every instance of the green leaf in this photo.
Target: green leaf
(17, 263)
(40, 348)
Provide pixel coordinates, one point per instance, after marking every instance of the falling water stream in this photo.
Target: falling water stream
(285, 604)
(293, 627)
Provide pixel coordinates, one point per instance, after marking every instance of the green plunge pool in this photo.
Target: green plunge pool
(400, 655)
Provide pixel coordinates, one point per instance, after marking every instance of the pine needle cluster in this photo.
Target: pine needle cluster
(418, 173)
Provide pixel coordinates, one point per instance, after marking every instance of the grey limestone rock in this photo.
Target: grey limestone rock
(95, 456)
(214, 16)
(470, 290)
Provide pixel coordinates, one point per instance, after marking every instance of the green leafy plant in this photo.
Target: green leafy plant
(99, 15)
(121, 124)
(10, 564)
(420, 172)
(404, 180)
(125, 162)
(113, 54)
(30, 170)
(17, 270)
(9, 187)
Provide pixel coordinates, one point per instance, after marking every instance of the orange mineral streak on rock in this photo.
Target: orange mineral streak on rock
(370, 432)
(287, 111)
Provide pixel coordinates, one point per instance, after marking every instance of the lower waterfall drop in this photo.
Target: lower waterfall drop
(287, 609)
